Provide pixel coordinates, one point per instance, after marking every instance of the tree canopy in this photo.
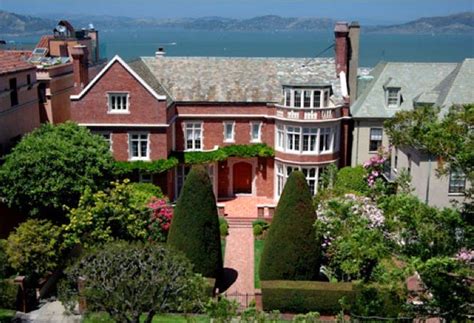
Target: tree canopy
(51, 167)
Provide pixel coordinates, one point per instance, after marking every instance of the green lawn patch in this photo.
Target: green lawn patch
(6, 315)
(165, 318)
(258, 248)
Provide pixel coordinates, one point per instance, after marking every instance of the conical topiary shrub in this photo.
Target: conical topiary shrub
(195, 226)
(291, 250)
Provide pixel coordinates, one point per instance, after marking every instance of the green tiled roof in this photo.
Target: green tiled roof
(442, 84)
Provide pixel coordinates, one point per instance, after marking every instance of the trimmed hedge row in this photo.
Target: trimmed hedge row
(305, 296)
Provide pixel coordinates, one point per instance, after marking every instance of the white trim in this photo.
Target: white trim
(105, 132)
(184, 128)
(148, 148)
(129, 125)
(260, 124)
(232, 139)
(127, 67)
(257, 116)
(305, 163)
(118, 94)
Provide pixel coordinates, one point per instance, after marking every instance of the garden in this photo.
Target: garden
(118, 251)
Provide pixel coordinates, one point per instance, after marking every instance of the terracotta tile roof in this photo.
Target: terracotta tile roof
(44, 41)
(12, 61)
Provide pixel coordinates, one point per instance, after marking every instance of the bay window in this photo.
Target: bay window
(293, 138)
(310, 136)
(306, 139)
(306, 98)
(283, 171)
(325, 140)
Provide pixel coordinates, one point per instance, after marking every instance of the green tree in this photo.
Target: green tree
(195, 225)
(127, 280)
(35, 247)
(450, 137)
(51, 167)
(292, 250)
(117, 213)
(351, 180)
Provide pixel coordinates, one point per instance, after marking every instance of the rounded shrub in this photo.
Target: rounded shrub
(292, 250)
(35, 247)
(351, 180)
(195, 225)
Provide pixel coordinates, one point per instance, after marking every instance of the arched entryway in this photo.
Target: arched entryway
(242, 178)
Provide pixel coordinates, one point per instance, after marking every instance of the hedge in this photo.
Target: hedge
(305, 296)
(8, 293)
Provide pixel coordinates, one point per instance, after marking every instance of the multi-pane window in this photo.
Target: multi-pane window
(297, 99)
(325, 140)
(310, 136)
(284, 171)
(457, 182)
(229, 133)
(255, 131)
(118, 102)
(108, 138)
(293, 138)
(193, 133)
(375, 139)
(311, 178)
(306, 139)
(317, 99)
(280, 137)
(393, 95)
(138, 143)
(306, 98)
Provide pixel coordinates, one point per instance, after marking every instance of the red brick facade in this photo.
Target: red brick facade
(152, 126)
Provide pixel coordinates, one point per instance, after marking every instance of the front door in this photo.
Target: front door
(242, 178)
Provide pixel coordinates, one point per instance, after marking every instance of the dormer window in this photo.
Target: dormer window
(306, 98)
(393, 97)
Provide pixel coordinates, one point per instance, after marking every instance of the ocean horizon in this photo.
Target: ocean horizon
(130, 44)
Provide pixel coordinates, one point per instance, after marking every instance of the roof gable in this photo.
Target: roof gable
(117, 59)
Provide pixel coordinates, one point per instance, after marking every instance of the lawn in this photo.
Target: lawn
(258, 248)
(168, 318)
(6, 315)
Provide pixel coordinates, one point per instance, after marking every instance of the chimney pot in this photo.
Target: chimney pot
(80, 60)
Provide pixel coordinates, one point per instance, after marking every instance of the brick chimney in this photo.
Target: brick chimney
(80, 62)
(341, 32)
(354, 36)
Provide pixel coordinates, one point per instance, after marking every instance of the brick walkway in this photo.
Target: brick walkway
(239, 250)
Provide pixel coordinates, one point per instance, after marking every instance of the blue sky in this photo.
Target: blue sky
(366, 11)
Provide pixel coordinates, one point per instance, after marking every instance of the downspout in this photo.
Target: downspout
(427, 198)
(357, 143)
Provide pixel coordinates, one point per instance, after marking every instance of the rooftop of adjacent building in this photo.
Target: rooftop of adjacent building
(440, 84)
(234, 79)
(14, 61)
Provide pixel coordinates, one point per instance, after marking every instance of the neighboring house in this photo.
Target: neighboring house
(153, 106)
(394, 87)
(19, 113)
(58, 77)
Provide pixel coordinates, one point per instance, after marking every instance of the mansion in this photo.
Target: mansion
(153, 107)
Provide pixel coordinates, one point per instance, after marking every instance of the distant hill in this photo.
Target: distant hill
(14, 24)
(457, 23)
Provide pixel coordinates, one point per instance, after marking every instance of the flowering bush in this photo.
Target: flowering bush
(160, 219)
(375, 166)
(354, 239)
(465, 255)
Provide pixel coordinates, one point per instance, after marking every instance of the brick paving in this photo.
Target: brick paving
(239, 251)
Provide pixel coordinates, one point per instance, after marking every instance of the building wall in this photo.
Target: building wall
(22, 118)
(424, 175)
(361, 140)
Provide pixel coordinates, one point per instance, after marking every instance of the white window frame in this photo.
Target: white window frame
(326, 131)
(232, 134)
(310, 178)
(454, 186)
(109, 141)
(285, 139)
(289, 98)
(310, 132)
(259, 137)
(280, 137)
(195, 126)
(131, 140)
(283, 172)
(390, 97)
(293, 138)
(122, 110)
(375, 138)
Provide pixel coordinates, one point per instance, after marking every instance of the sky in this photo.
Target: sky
(365, 11)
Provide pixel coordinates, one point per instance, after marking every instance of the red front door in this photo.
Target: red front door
(242, 178)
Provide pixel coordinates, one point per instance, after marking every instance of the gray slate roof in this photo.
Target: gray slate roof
(228, 79)
(442, 84)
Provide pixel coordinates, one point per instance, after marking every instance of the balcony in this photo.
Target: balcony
(316, 114)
